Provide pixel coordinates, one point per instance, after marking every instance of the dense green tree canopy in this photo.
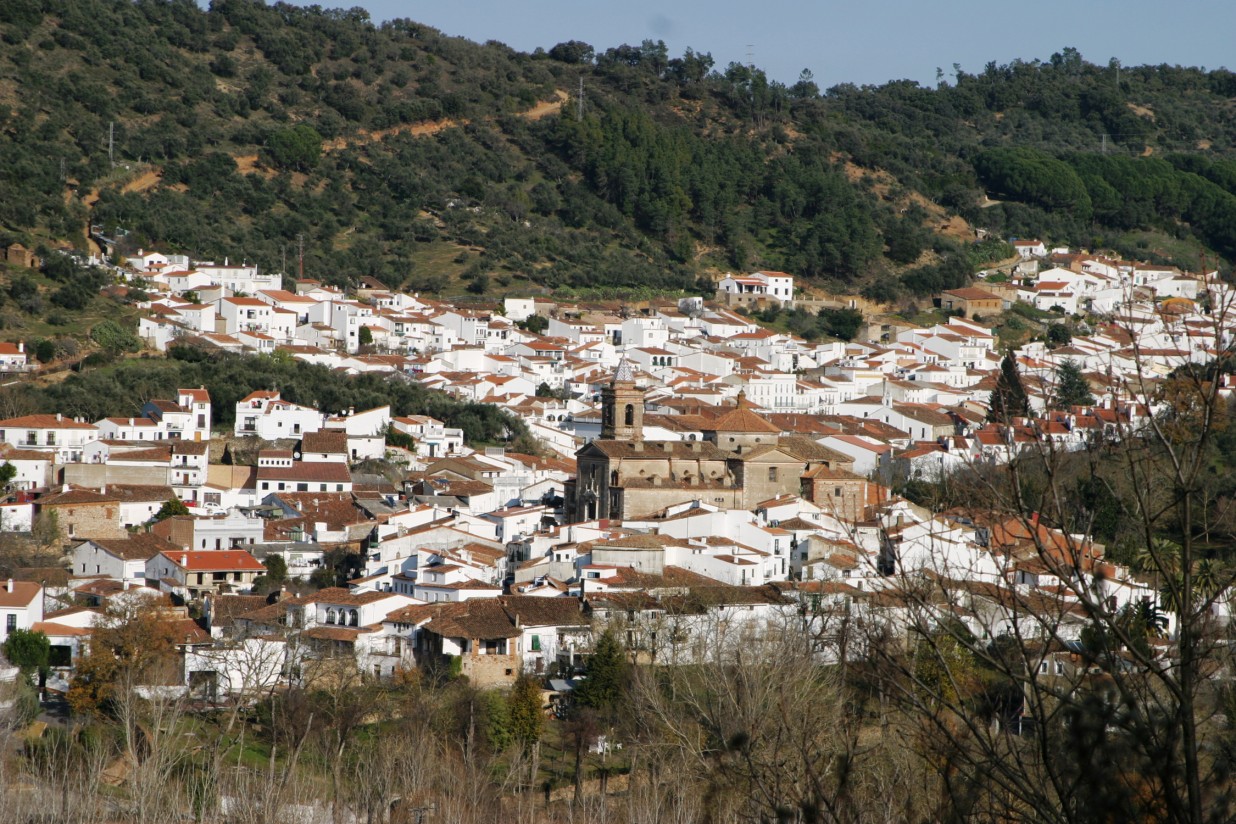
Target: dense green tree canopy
(249, 126)
(99, 393)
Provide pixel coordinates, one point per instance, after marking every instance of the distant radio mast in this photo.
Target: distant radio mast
(300, 255)
(579, 100)
(111, 142)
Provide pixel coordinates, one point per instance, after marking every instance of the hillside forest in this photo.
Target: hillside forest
(396, 151)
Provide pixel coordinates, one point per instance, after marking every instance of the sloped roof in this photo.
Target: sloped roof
(215, 559)
(23, 593)
(479, 618)
(807, 449)
(328, 441)
(76, 496)
(44, 422)
(225, 608)
(742, 419)
(535, 611)
(140, 547)
(702, 450)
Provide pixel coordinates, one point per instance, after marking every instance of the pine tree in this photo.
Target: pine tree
(1008, 399)
(1071, 387)
(606, 673)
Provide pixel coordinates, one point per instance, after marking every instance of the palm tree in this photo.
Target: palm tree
(1208, 576)
(1159, 557)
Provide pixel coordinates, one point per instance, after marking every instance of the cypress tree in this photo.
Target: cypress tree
(1008, 399)
(527, 720)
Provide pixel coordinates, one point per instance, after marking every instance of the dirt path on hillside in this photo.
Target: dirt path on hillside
(546, 107)
(426, 128)
(144, 182)
(249, 164)
(364, 136)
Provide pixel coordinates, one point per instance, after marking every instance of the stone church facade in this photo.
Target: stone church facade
(741, 461)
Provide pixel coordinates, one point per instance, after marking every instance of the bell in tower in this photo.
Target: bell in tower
(622, 406)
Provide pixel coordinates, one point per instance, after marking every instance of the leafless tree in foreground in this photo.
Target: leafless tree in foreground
(1069, 702)
(761, 731)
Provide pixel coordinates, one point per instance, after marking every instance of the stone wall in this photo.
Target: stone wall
(492, 670)
(96, 476)
(90, 520)
(647, 500)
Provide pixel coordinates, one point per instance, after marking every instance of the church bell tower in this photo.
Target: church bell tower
(622, 406)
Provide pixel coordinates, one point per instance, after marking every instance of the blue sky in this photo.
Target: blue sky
(859, 41)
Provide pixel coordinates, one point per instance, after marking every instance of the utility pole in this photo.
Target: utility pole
(300, 255)
(1104, 147)
(579, 100)
(111, 142)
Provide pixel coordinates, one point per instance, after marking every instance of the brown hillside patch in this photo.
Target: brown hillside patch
(957, 228)
(248, 165)
(144, 182)
(1141, 111)
(546, 107)
(938, 218)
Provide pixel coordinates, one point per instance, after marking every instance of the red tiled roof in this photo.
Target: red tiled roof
(211, 560)
(44, 422)
(23, 593)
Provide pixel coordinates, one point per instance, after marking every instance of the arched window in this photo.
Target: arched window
(353, 618)
(630, 415)
(330, 616)
(613, 478)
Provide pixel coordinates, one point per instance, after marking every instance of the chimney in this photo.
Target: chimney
(59, 417)
(184, 560)
(21, 346)
(130, 421)
(126, 584)
(9, 585)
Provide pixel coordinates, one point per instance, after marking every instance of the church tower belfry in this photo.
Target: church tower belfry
(622, 406)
